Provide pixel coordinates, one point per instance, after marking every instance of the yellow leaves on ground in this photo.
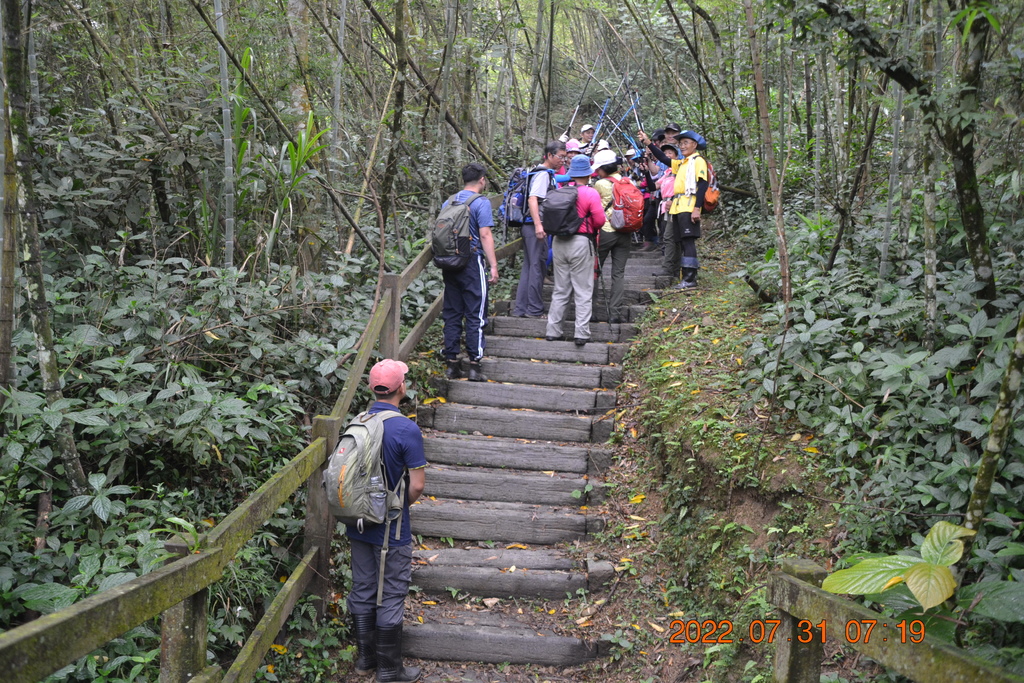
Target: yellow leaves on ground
(638, 498)
(279, 649)
(672, 364)
(812, 449)
(437, 399)
(739, 436)
(517, 545)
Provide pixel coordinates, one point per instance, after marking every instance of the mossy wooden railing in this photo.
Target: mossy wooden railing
(178, 591)
(796, 591)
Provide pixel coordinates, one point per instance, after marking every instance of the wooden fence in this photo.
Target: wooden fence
(810, 617)
(178, 591)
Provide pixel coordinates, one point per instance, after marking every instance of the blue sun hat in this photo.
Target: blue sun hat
(696, 137)
(579, 167)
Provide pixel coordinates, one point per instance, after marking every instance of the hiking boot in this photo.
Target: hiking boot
(689, 280)
(649, 246)
(580, 341)
(453, 368)
(552, 338)
(389, 658)
(475, 374)
(364, 627)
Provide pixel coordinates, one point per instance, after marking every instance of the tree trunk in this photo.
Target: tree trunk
(16, 141)
(8, 193)
(769, 148)
(401, 60)
(335, 162)
(998, 436)
(227, 120)
(928, 163)
(894, 166)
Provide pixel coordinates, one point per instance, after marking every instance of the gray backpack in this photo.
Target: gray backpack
(356, 485)
(450, 238)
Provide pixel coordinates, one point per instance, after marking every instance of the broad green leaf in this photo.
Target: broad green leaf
(97, 479)
(1002, 600)
(939, 546)
(116, 580)
(101, 506)
(930, 583)
(76, 503)
(869, 576)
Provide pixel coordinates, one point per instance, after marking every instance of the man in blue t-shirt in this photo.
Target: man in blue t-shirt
(465, 291)
(378, 629)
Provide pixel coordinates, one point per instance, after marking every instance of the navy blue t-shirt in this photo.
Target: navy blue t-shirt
(480, 216)
(403, 449)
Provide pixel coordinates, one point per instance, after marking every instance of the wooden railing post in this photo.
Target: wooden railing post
(319, 526)
(797, 662)
(183, 630)
(390, 334)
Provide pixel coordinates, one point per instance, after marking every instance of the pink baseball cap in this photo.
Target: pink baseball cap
(572, 146)
(387, 376)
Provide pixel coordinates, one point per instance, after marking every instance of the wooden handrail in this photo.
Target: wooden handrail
(355, 371)
(238, 527)
(34, 650)
(926, 661)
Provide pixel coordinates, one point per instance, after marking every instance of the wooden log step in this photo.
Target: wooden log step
(555, 399)
(640, 280)
(500, 557)
(465, 636)
(633, 313)
(551, 374)
(563, 351)
(493, 582)
(513, 422)
(490, 521)
(630, 296)
(522, 454)
(508, 486)
(508, 326)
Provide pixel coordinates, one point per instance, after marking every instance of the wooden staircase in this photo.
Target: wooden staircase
(510, 460)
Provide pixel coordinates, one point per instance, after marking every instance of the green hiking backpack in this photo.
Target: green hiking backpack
(450, 239)
(355, 483)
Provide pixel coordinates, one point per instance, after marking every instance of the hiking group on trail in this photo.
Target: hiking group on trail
(581, 204)
(583, 208)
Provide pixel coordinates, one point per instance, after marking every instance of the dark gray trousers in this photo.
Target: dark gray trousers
(397, 577)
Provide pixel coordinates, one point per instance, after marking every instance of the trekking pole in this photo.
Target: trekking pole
(624, 134)
(636, 110)
(614, 97)
(590, 76)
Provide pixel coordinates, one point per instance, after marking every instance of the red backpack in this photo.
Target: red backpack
(712, 194)
(627, 206)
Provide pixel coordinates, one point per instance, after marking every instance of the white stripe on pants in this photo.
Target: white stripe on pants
(574, 274)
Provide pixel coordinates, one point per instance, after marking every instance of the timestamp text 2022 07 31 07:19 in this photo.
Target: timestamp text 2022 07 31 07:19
(712, 631)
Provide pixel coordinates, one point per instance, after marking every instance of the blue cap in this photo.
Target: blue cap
(696, 137)
(579, 167)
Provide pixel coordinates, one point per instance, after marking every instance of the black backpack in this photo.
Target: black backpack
(450, 237)
(558, 212)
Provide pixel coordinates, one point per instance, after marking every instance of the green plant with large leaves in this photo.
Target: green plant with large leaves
(928, 577)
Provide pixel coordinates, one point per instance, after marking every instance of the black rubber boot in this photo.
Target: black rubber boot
(689, 280)
(475, 374)
(365, 628)
(389, 658)
(453, 369)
